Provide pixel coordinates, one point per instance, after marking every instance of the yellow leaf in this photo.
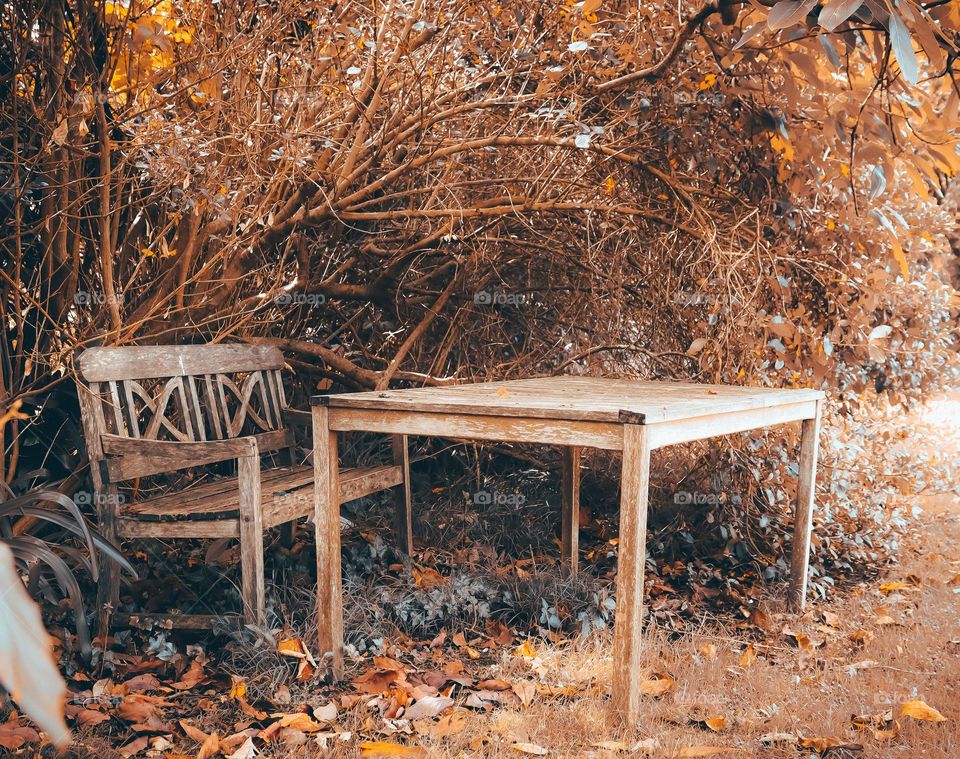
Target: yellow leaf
(239, 688)
(708, 81)
(748, 656)
(899, 256)
(919, 710)
(888, 587)
(386, 749)
(526, 650)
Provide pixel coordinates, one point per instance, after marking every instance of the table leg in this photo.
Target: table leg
(803, 519)
(326, 501)
(627, 641)
(570, 509)
(403, 507)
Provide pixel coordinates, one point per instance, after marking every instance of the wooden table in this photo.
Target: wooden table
(572, 412)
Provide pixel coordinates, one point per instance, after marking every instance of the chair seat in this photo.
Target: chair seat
(212, 508)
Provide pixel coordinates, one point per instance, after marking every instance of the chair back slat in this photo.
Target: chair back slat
(132, 416)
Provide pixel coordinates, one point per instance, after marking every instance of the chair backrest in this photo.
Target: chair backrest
(182, 392)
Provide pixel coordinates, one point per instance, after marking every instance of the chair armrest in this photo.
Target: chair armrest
(128, 458)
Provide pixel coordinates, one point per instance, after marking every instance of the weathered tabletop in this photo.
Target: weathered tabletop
(571, 412)
(577, 399)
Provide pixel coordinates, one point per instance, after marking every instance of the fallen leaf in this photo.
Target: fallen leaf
(919, 710)
(191, 678)
(862, 637)
(326, 713)
(526, 650)
(134, 747)
(822, 745)
(889, 587)
(447, 725)
(748, 656)
(193, 732)
(530, 748)
(657, 686)
(13, 736)
(246, 751)
(526, 690)
(494, 683)
(140, 683)
(831, 619)
(299, 721)
(716, 723)
(385, 749)
(708, 651)
(428, 707)
(210, 747)
(426, 577)
(89, 717)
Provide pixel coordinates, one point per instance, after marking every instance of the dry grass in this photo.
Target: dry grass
(917, 657)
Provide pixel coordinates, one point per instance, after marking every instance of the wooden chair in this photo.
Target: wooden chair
(156, 410)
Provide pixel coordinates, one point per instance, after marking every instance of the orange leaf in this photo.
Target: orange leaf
(385, 749)
(919, 710)
(657, 686)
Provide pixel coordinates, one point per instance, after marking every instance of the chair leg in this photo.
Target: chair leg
(108, 584)
(403, 514)
(251, 542)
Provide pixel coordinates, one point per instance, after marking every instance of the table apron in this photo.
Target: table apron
(726, 423)
(604, 435)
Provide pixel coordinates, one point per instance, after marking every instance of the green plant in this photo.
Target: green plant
(51, 540)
